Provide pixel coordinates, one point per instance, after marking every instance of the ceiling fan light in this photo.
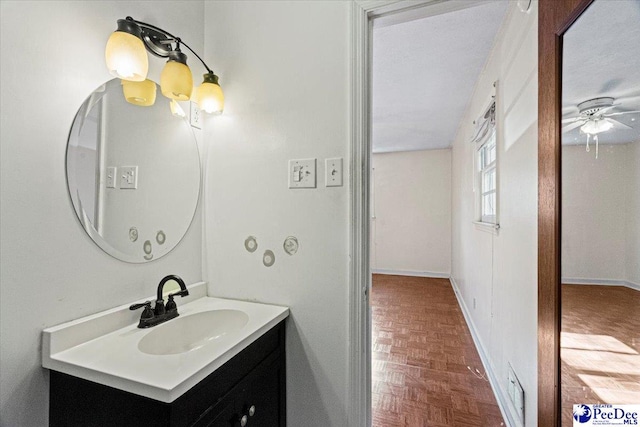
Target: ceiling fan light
(209, 95)
(125, 53)
(594, 127)
(176, 81)
(141, 93)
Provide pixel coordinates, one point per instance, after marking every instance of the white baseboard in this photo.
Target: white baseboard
(503, 401)
(411, 273)
(600, 282)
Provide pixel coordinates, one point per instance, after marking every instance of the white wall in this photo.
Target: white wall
(499, 271)
(411, 227)
(52, 57)
(632, 252)
(595, 196)
(284, 67)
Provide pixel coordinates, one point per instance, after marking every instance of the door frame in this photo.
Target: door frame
(554, 19)
(363, 12)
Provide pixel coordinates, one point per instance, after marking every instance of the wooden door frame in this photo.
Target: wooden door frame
(554, 19)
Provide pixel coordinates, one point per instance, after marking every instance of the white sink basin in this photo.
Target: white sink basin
(188, 333)
(165, 361)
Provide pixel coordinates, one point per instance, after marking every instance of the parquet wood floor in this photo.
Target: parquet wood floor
(421, 350)
(600, 346)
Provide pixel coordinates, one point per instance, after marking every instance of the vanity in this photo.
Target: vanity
(220, 363)
(207, 361)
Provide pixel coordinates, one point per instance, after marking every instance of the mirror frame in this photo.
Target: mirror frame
(554, 19)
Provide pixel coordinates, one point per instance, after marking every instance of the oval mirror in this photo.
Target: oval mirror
(133, 174)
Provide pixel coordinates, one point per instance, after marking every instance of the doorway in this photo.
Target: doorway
(425, 368)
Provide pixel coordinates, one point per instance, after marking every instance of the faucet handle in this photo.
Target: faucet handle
(181, 293)
(147, 312)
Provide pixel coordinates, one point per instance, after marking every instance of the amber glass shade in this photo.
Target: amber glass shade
(210, 98)
(126, 57)
(176, 81)
(139, 93)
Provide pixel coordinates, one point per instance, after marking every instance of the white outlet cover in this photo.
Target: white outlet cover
(333, 172)
(195, 115)
(515, 392)
(302, 173)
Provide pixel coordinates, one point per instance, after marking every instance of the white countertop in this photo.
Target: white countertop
(101, 349)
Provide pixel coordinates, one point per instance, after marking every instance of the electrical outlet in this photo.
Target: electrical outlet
(515, 392)
(195, 115)
(302, 173)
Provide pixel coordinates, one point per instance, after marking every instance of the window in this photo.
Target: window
(486, 167)
(487, 172)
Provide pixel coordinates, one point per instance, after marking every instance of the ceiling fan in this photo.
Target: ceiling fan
(596, 116)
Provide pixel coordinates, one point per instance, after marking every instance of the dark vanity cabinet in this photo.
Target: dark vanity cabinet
(248, 390)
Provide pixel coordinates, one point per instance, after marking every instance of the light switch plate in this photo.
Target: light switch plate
(111, 177)
(333, 172)
(302, 173)
(195, 115)
(128, 177)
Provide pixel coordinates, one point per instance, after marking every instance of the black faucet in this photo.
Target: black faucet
(161, 313)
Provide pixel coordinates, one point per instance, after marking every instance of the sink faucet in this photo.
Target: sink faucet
(183, 292)
(161, 313)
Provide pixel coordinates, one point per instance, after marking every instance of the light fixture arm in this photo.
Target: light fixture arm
(158, 41)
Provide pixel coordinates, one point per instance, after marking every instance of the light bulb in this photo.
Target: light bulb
(595, 126)
(125, 53)
(176, 81)
(209, 95)
(139, 93)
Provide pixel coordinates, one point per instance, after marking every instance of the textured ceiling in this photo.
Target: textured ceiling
(424, 72)
(601, 57)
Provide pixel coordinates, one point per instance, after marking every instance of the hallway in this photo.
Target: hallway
(421, 350)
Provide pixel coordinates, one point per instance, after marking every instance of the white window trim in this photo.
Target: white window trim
(480, 174)
(485, 224)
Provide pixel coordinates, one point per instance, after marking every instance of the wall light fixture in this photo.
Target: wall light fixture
(126, 59)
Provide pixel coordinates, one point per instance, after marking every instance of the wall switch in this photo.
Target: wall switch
(111, 177)
(333, 172)
(302, 173)
(195, 115)
(128, 177)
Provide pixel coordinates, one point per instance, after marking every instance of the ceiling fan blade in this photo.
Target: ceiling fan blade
(619, 113)
(573, 125)
(571, 119)
(617, 124)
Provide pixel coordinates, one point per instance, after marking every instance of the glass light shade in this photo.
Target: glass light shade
(176, 81)
(139, 93)
(176, 109)
(210, 98)
(594, 127)
(126, 57)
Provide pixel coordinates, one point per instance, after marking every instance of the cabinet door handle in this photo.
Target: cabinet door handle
(243, 421)
(252, 410)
